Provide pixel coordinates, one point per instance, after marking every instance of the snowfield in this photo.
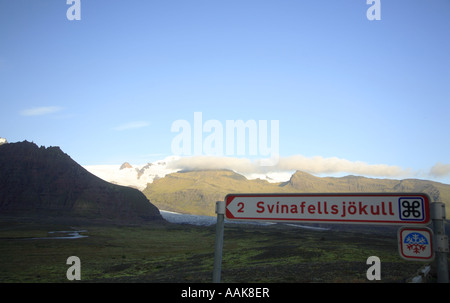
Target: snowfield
(138, 176)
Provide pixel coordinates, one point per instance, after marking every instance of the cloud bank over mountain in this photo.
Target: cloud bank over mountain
(139, 176)
(314, 165)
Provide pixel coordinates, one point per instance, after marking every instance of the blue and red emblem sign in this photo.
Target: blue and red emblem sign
(415, 243)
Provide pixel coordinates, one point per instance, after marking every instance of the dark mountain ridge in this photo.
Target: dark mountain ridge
(46, 183)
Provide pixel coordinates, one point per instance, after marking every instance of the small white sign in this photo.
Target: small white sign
(415, 244)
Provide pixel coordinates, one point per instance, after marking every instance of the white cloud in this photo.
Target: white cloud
(131, 125)
(320, 165)
(440, 170)
(314, 165)
(212, 162)
(39, 111)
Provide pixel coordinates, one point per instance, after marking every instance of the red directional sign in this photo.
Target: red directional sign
(380, 208)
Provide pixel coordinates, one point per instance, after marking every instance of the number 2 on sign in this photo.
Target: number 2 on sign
(241, 205)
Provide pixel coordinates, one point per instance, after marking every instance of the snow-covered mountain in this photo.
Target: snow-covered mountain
(132, 175)
(138, 176)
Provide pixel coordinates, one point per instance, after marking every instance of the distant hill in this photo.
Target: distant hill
(196, 192)
(46, 183)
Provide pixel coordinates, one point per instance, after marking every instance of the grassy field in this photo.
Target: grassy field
(182, 253)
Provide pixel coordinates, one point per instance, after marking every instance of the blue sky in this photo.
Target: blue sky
(345, 90)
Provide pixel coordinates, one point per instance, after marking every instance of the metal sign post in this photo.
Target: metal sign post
(441, 239)
(220, 211)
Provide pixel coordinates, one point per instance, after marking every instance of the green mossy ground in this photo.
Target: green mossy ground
(184, 253)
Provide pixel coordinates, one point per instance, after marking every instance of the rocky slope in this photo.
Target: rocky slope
(46, 183)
